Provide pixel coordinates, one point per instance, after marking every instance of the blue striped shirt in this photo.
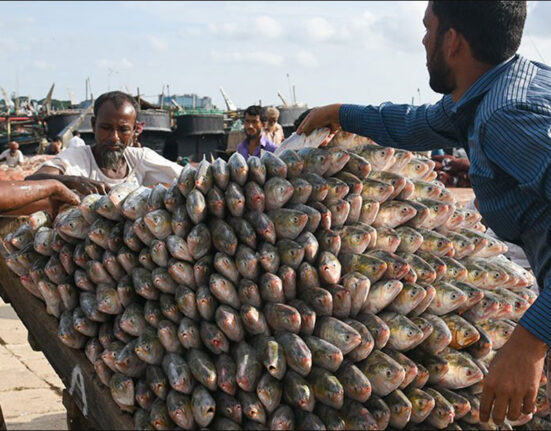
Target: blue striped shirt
(504, 123)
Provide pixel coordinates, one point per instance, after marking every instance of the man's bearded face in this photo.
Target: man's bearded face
(440, 74)
(112, 159)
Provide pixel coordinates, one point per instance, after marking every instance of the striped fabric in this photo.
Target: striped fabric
(504, 123)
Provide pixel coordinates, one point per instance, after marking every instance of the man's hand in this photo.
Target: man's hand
(82, 185)
(511, 385)
(324, 116)
(85, 186)
(62, 194)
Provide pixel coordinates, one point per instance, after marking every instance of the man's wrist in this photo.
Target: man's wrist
(528, 342)
(335, 114)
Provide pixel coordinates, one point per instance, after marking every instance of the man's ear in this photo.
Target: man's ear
(93, 121)
(453, 42)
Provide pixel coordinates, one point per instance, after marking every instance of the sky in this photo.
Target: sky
(352, 52)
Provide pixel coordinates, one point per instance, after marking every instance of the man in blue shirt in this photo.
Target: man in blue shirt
(256, 142)
(497, 105)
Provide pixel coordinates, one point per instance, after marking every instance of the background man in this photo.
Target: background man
(140, 125)
(112, 160)
(273, 130)
(76, 140)
(497, 105)
(55, 147)
(256, 142)
(13, 156)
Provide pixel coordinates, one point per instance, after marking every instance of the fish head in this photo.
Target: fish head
(329, 266)
(456, 219)
(468, 373)
(400, 410)
(422, 403)
(468, 335)
(476, 275)
(423, 324)
(454, 297)
(382, 155)
(339, 207)
(393, 373)
(444, 413)
(417, 168)
(488, 305)
(405, 211)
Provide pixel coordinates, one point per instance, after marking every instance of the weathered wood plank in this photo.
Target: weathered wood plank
(93, 399)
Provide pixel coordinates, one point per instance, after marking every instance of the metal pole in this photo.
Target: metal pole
(290, 90)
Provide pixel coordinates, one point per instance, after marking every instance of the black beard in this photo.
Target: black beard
(440, 75)
(254, 136)
(111, 160)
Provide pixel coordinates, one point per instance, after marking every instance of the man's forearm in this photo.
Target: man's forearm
(68, 180)
(17, 194)
(415, 128)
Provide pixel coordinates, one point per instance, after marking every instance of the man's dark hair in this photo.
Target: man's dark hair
(255, 110)
(492, 28)
(117, 98)
(300, 119)
(76, 133)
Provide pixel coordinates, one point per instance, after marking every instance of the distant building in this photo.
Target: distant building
(187, 101)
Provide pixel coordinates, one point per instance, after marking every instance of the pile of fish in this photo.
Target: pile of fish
(321, 289)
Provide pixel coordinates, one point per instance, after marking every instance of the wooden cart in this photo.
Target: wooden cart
(89, 404)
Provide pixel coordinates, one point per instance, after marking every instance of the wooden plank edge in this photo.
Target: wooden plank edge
(77, 373)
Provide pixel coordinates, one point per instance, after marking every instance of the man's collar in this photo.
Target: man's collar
(483, 83)
(262, 141)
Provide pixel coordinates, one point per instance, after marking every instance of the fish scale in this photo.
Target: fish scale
(328, 287)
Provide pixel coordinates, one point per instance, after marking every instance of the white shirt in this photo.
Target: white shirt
(146, 167)
(12, 161)
(75, 141)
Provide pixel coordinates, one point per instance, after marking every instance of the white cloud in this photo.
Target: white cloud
(319, 29)
(116, 65)
(262, 27)
(190, 31)
(402, 33)
(227, 29)
(11, 45)
(306, 58)
(43, 65)
(158, 43)
(255, 57)
(268, 27)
